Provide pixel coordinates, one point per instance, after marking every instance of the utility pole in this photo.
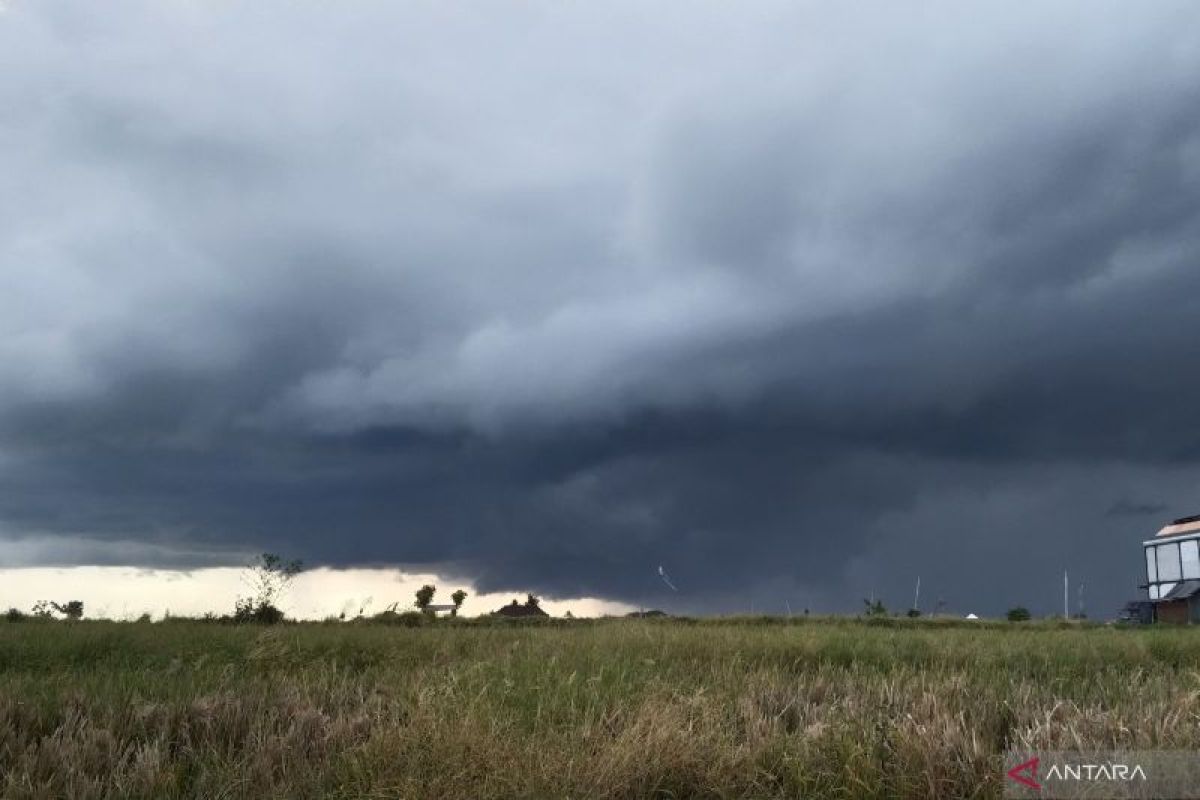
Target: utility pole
(917, 595)
(1066, 596)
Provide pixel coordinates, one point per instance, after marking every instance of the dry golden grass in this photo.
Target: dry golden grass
(622, 709)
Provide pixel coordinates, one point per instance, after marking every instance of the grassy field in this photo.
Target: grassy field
(621, 709)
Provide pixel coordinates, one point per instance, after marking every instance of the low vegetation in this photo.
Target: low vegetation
(766, 708)
(1018, 614)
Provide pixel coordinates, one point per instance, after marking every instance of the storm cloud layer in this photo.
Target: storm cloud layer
(803, 302)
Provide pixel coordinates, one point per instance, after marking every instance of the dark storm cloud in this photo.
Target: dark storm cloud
(1134, 509)
(801, 303)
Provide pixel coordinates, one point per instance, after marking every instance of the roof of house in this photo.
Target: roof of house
(1181, 526)
(1182, 591)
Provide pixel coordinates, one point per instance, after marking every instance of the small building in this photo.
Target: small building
(1173, 571)
(442, 608)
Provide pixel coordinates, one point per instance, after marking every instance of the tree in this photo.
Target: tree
(46, 609)
(268, 578)
(425, 596)
(72, 609)
(458, 597)
(1018, 614)
(874, 608)
(532, 600)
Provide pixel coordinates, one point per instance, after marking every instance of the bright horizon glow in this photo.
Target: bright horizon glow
(125, 593)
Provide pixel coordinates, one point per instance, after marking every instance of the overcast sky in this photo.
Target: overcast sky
(802, 301)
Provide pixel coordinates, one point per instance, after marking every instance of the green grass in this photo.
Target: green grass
(716, 708)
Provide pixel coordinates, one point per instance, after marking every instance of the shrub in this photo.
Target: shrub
(405, 619)
(1018, 614)
(14, 615)
(246, 610)
(72, 609)
(874, 608)
(268, 578)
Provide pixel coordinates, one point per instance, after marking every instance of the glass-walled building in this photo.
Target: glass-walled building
(1173, 562)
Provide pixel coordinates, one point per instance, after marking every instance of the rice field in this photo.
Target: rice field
(754, 708)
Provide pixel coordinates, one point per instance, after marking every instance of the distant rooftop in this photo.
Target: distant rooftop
(1181, 526)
